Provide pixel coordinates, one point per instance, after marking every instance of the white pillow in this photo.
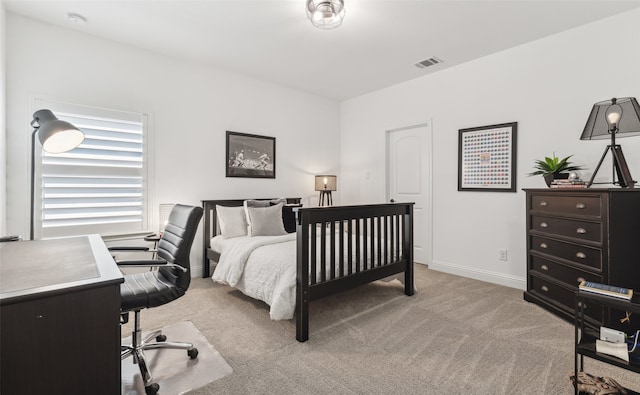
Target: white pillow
(265, 221)
(232, 220)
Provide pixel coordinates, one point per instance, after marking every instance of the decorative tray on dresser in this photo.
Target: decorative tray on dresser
(588, 234)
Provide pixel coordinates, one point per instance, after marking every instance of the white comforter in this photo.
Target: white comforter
(268, 274)
(264, 268)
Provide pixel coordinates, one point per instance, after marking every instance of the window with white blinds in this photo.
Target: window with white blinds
(100, 186)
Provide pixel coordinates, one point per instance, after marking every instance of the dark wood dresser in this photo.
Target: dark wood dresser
(588, 234)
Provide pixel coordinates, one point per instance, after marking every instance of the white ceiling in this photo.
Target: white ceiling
(272, 40)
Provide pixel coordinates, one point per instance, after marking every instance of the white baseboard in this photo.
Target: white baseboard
(196, 270)
(479, 274)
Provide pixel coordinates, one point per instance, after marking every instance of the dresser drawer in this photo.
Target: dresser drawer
(565, 297)
(579, 254)
(566, 274)
(581, 230)
(570, 205)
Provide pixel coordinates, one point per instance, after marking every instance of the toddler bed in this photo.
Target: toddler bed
(311, 253)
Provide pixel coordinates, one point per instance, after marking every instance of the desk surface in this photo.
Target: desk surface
(29, 269)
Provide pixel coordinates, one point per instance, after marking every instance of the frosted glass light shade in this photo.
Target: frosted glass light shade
(325, 14)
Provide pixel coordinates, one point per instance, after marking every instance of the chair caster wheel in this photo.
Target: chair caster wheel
(152, 389)
(193, 353)
(161, 338)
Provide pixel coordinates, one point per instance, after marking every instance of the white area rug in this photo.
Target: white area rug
(173, 370)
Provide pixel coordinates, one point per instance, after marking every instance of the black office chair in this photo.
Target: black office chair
(157, 287)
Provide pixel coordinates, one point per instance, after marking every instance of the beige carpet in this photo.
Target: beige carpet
(173, 370)
(454, 336)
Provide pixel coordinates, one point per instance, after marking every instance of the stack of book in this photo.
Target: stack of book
(604, 289)
(565, 183)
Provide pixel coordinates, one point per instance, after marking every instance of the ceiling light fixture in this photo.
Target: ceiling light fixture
(325, 14)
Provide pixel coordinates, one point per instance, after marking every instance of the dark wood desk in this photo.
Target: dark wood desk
(59, 317)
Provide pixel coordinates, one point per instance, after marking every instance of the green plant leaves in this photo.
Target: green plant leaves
(552, 165)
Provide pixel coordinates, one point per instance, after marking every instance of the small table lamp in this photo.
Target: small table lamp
(610, 118)
(56, 137)
(325, 184)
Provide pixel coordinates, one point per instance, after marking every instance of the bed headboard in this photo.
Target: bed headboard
(212, 228)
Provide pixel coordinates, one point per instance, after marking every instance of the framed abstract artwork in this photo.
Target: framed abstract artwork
(487, 158)
(250, 155)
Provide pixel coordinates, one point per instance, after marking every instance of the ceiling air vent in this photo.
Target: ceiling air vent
(428, 62)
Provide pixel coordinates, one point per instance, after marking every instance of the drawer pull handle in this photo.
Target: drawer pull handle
(580, 279)
(580, 206)
(582, 304)
(543, 245)
(545, 288)
(581, 255)
(581, 231)
(543, 203)
(544, 267)
(544, 225)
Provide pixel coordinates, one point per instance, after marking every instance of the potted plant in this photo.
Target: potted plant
(552, 168)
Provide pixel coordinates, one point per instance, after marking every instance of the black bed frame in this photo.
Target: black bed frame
(328, 243)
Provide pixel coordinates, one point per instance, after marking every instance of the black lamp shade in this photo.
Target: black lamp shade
(56, 136)
(598, 127)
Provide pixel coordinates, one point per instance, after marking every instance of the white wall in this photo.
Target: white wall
(3, 126)
(190, 108)
(547, 86)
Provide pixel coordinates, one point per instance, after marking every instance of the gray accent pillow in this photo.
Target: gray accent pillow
(232, 221)
(259, 203)
(263, 203)
(256, 203)
(265, 221)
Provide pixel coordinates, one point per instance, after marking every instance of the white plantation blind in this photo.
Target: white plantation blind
(100, 186)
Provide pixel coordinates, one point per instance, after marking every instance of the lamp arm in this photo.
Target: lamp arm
(33, 186)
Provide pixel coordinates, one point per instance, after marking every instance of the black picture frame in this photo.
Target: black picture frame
(487, 158)
(250, 155)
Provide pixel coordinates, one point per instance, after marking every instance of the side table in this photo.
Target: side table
(586, 335)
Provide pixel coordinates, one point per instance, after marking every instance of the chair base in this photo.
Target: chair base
(152, 341)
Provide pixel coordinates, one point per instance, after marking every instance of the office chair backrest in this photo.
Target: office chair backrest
(175, 244)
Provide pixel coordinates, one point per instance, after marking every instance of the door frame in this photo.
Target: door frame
(428, 210)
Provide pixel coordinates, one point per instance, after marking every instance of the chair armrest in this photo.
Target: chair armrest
(127, 248)
(151, 263)
(143, 262)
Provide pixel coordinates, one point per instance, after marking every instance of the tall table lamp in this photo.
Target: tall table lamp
(56, 137)
(325, 184)
(608, 119)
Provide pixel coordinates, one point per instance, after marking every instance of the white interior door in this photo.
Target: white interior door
(409, 180)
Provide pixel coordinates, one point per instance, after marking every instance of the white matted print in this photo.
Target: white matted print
(487, 158)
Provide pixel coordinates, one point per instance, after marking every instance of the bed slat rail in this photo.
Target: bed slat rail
(379, 243)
